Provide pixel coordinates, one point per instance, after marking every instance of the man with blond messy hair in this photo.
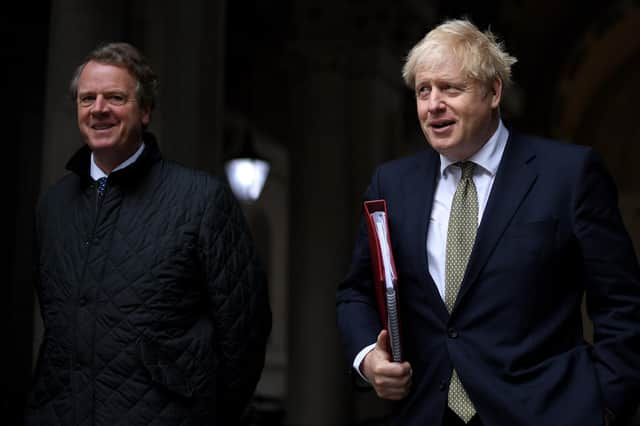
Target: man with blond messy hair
(497, 237)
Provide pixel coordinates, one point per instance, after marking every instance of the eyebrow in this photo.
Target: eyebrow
(105, 92)
(443, 81)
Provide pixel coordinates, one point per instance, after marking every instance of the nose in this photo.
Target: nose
(434, 102)
(99, 105)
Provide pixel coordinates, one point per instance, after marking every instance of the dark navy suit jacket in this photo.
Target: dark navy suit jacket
(551, 232)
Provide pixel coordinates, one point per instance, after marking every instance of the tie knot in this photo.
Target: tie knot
(467, 169)
(102, 184)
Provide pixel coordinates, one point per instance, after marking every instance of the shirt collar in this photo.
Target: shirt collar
(97, 173)
(489, 156)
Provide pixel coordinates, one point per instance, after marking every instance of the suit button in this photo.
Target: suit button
(452, 332)
(83, 301)
(443, 385)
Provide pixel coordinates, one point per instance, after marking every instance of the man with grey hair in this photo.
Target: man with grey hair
(496, 236)
(154, 303)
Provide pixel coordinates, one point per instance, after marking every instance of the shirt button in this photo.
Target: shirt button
(86, 243)
(452, 333)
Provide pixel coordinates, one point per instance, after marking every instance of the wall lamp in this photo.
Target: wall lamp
(247, 171)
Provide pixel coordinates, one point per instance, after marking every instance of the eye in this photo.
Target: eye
(116, 98)
(423, 91)
(87, 99)
(453, 89)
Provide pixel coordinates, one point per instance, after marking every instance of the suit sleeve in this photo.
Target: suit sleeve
(612, 278)
(238, 303)
(357, 315)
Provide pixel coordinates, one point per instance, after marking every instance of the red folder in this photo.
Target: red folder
(384, 272)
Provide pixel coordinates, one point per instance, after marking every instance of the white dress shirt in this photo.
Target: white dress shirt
(487, 160)
(97, 172)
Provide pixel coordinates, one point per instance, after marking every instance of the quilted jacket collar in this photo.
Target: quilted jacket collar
(79, 162)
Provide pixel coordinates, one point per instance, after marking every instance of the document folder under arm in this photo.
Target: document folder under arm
(384, 272)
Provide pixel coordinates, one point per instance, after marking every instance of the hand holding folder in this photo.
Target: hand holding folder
(384, 272)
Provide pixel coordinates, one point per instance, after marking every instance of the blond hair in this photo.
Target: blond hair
(480, 55)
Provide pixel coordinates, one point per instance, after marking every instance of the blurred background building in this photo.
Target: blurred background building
(317, 85)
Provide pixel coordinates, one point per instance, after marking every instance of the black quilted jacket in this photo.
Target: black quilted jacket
(155, 308)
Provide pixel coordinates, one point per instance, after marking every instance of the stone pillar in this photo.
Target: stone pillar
(186, 48)
(318, 390)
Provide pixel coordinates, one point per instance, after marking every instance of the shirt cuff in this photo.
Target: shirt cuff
(359, 358)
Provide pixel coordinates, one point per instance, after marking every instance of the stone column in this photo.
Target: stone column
(318, 385)
(186, 47)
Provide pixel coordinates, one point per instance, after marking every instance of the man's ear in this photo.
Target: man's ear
(146, 116)
(496, 92)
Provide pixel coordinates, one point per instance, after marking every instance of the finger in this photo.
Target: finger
(406, 369)
(390, 382)
(383, 341)
(392, 393)
(394, 370)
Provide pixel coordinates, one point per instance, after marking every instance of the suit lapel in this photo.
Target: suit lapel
(418, 210)
(514, 178)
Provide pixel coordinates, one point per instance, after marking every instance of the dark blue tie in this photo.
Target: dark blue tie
(102, 185)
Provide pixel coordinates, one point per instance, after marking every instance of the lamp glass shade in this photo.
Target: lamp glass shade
(247, 177)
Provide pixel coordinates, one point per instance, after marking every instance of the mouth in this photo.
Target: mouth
(441, 125)
(102, 126)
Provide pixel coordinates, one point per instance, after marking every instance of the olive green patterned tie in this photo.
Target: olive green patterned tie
(463, 222)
